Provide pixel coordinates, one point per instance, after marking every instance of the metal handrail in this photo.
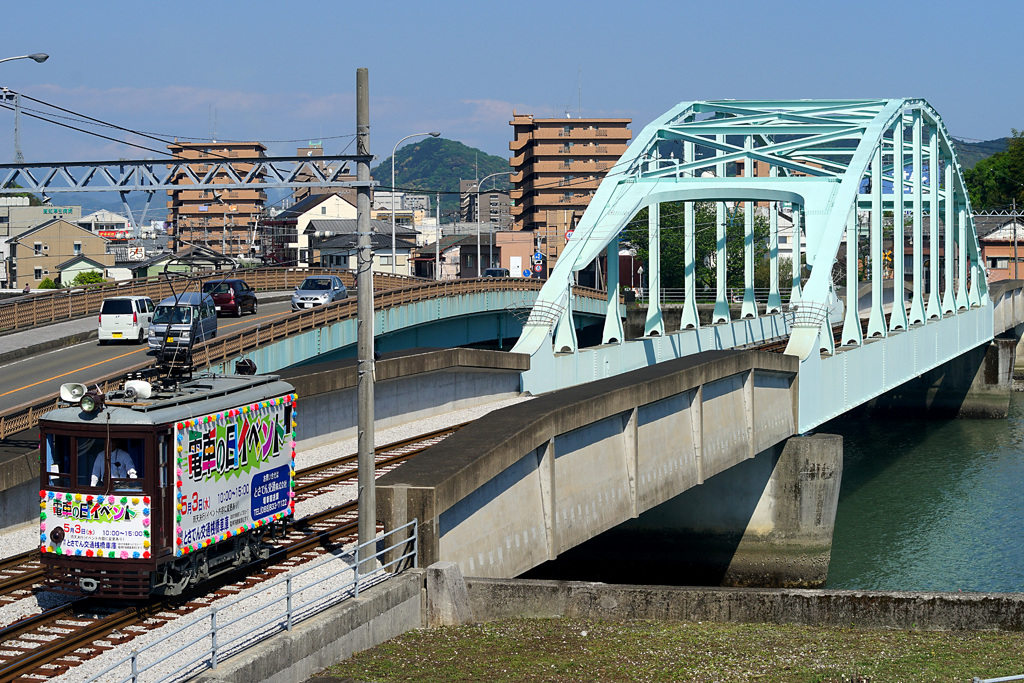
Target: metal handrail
(402, 541)
(40, 308)
(218, 350)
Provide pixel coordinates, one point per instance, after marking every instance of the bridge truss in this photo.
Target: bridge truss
(837, 170)
(151, 176)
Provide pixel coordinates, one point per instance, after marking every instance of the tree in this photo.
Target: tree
(994, 183)
(48, 284)
(32, 199)
(89, 277)
(673, 235)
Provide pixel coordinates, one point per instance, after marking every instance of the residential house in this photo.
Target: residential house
(39, 253)
(1002, 248)
(285, 239)
(18, 216)
(338, 246)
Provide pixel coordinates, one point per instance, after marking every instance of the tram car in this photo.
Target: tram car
(159, 486)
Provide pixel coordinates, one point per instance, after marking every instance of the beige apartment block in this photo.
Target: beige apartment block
(557, 165)
(222, 220)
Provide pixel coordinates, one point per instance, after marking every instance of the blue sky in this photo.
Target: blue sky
(275, 71)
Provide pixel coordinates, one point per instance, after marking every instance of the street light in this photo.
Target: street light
(490, 246)
(38, 57)
(393, 153)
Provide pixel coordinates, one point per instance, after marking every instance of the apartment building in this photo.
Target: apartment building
(495, 207)
(316, 149)
(557, 165)
(221, 220)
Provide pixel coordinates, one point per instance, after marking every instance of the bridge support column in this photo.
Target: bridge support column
(788, 539)
(765, 522)
(989, 393)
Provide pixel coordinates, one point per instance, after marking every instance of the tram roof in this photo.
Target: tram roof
(194, 398)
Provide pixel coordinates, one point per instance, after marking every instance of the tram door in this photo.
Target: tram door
(163, 509)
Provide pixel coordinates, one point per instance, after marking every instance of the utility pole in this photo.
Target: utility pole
(1014, 238)
(437, 242)
(364, 322)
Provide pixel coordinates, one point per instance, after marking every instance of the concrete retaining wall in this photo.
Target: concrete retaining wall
(536, 479)
(19, 489)
(410, 387)
(378, 614)
(492, 599)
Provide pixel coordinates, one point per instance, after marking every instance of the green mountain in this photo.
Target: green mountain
(970, 153)
(433, 165)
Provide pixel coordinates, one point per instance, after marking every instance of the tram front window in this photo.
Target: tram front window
(58, 459)
(90, 461)
(125, 463)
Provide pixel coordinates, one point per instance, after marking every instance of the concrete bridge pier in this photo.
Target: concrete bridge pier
(775, 530)
(989, 393)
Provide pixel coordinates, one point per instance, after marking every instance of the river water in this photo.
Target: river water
(930, 505)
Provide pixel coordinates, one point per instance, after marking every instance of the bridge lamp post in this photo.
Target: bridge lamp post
(38, 57)
(393, 153)
(490, 246)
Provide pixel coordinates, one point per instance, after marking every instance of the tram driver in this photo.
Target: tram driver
(122, 464)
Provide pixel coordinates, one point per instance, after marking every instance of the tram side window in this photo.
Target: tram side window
(127, 463)
(91, 464)
(58, 459)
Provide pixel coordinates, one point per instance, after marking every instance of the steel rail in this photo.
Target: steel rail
(47, 652)
(28, 577)
(15, 560)
(379, 450)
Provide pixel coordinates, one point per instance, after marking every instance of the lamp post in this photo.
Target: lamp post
(37, 57)
(393, 153)
(490, 247)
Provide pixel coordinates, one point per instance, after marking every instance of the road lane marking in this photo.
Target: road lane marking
(50, 379)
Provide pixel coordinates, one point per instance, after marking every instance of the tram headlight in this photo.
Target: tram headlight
(57, 535)
(92, 402)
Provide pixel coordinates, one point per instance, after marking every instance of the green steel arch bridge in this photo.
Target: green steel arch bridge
(840, 167)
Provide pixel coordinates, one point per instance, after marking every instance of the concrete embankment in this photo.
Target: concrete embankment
(413, 600)
(492, 599)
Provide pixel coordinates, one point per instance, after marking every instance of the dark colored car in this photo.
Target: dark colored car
(231, 296)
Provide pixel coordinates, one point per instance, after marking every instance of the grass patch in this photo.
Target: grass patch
(569, 650)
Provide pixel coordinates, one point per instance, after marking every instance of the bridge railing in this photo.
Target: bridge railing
(222, 349)
(41, 308)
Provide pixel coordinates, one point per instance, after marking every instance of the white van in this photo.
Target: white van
(124, 318)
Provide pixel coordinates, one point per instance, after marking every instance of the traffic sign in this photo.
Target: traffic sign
(538, 257)
(568, 234)
(526, 272)
(537, 268)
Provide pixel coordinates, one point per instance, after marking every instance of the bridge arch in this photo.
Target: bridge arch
(833, 162)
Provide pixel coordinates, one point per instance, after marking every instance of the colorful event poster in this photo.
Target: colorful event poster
(235, 471)
(115, 526)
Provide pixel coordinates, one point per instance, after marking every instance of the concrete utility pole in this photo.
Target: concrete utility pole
(364, 315)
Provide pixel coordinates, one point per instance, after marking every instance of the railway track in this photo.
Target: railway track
(19, 573)
(48, 644)
(344, 468)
